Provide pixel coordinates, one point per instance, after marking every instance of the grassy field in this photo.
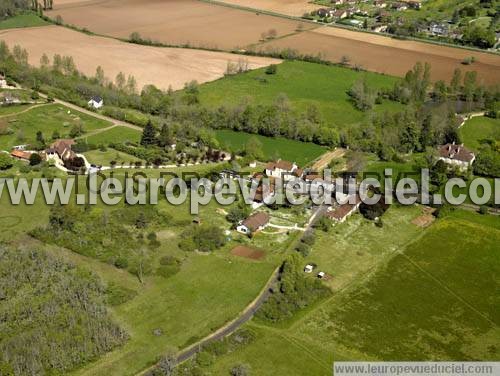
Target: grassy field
(302, 153)
(47, 119)
(22, 20)
(480, 128)
(425, 302)
(103, 158)
(304, 84)
(114, 135)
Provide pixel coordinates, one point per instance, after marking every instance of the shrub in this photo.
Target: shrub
(483, 209)
(272, 69)
(35, 159)
(5, 161)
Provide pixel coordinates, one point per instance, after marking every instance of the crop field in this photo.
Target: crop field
(377, 53)
(23, 127)
(290, 7)
(305, 85)
(171, 22)
(480, 128)
(175, 22)
(162, 67)
(273, 148)
(401, 309)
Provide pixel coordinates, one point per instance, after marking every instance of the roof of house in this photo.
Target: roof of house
(456, 152)
(96, 98)
(256, 220)
(343, 210)
(21, 154)
(63, 148)
(282, 165)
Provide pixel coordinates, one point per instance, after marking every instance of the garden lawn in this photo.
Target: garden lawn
(302, 153)
(47, 119)
(104, 158)
(116, 134)
(304, 84)
(480, 128)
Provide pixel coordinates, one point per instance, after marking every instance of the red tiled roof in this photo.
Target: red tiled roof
(282, 165)
(256, 220)
(21, 154)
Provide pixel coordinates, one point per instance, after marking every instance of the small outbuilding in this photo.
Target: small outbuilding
(96, 102)
(254, 223)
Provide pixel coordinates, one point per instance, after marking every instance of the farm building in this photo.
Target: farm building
(457, 155)
(254, 223)
(21, 155)
(96, 102)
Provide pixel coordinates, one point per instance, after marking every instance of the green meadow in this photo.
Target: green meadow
(302, 153)
(22, 20)
(477, 129)
(405, 293)
(304, 84)
(22, 128)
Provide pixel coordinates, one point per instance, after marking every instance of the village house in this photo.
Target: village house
(256, 222)
(414, 4)
(380, 3)
(340, 14)
(400, 6)
(61, 149)
(438, 29)
(456, 155)
(283, 170)
(341, 212)
(3, 82)
(96, 102)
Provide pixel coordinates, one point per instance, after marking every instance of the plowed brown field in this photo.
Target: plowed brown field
(207, 25)
(173, 21)
(386, 55)
(149, 65)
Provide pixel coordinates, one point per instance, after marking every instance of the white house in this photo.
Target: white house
(96, 102)
(456, 155)
(254, 223)
(3, 82)
(283, 170)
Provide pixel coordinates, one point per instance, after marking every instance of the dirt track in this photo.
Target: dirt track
(149, 65)
(386, 55)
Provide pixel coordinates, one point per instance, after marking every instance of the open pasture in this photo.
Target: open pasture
(162, 67)
(175, 22)
(302, 153)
